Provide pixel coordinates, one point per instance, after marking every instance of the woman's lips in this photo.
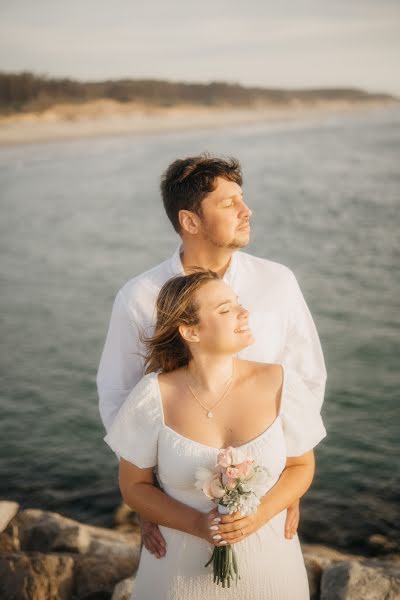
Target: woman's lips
(242, 329)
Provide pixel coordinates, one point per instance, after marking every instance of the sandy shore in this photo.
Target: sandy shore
(107, 117)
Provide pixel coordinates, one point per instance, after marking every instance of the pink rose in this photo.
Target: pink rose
(213, 487)
(228, 482)
(232, 472)
(245, 469)
(225, 457)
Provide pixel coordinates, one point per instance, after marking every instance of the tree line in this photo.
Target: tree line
(29, 92)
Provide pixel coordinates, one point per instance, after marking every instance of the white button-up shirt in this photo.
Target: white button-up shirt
(279, 319)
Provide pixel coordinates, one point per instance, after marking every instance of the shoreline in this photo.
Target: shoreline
(109, 118)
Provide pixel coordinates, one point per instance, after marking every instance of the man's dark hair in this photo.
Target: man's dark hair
(188, 180)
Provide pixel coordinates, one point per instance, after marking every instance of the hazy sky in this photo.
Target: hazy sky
(295, 43)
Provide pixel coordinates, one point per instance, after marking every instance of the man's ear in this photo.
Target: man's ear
(189, 221)
(189, 333)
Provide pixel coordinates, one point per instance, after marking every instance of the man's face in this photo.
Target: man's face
(225, 217)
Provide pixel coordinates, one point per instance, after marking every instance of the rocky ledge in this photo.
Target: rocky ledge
(46, 556)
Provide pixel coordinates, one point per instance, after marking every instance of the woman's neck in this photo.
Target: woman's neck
(210, 374)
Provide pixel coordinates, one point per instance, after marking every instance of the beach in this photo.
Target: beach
(107, 117)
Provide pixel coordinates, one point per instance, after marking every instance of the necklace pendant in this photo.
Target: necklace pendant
(209, 414)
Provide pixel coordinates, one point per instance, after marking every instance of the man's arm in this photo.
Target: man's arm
(121, 365)
(303, 351)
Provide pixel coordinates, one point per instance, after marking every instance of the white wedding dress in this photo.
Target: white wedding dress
(271, 567)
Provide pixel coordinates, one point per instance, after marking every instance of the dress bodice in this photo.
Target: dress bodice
(139, 434)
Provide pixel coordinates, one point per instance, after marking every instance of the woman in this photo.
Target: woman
(195, 399)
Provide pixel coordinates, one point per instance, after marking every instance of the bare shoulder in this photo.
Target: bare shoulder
(170, 381)
(268, 374)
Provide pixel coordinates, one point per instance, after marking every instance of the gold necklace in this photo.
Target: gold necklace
(206, 408)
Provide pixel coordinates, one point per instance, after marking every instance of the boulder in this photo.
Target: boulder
(380, 544)
(96, 577)
(366, 580)
(123, 590)
(45, 531)
(8, 510)
(36, 576)
(125, 519)
(317, 557)
(9, 540)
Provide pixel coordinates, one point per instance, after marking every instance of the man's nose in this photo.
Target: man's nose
(245, 211)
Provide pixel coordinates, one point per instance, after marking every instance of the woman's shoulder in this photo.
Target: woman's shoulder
(144, 394)
(270, 374)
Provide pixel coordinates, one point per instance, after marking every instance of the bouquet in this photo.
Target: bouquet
(236, 483)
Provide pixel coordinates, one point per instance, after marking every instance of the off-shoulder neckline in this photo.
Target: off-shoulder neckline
(187, 439)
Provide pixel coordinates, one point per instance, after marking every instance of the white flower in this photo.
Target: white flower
(258, 484)
(248, 504)
(202, 475)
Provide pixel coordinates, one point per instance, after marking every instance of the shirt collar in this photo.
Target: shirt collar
(177, 267)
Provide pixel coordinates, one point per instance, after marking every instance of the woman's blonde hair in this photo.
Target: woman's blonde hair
(176, 305)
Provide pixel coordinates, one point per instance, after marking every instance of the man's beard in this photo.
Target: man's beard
(233, 244)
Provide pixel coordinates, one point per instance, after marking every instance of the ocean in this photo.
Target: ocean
(81, 217)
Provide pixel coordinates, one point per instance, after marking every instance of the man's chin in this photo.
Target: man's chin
(239, 242)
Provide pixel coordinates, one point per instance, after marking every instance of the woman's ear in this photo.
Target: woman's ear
(189, 221)
(189, 333)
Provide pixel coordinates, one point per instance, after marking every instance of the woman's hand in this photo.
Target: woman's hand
(220, 530)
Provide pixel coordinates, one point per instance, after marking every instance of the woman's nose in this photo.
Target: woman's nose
(243, 312)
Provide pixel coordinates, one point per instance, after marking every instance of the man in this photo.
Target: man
(203, 199)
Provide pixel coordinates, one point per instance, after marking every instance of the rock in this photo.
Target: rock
(383, 545)
(45, 531)
(317, 558)
(125, 519)
(324, 553)
(9, 540)
(36, 576)
(96, 577)
(314, 572)
(123, 590)
(367, 580)
(8, 510)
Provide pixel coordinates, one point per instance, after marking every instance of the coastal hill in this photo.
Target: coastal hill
(35, 109)
(26, 92)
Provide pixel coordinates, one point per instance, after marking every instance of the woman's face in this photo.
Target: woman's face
(223, 326)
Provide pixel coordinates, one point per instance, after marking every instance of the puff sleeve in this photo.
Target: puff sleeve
(134, 432)
(302, 424)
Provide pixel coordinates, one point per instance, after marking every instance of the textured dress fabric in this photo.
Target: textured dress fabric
(271, 567)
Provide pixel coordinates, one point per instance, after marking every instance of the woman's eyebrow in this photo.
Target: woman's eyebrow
(226, 301)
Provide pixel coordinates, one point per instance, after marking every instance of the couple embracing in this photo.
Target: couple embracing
(210, 384)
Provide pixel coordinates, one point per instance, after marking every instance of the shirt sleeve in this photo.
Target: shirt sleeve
(121, 364)
(302, 423)
(134, 432)
(303, 351)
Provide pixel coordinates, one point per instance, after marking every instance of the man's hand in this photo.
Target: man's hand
(292, 519)
(152, 538)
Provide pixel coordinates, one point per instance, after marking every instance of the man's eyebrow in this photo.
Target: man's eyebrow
(229, 197)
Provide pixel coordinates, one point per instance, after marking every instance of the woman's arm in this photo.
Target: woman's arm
(139, 493)
(293, 483)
